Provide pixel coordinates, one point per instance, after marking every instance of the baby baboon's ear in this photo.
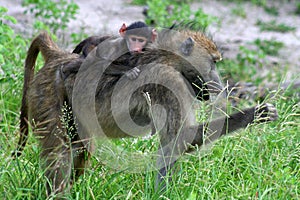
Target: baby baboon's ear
(187, 46)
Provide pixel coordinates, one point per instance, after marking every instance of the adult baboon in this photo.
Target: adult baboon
(115, 107)
(102, 106)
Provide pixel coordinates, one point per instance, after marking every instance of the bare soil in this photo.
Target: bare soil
(105, 17)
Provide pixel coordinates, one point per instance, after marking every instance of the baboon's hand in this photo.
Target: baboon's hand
(266, 112)
(133, 73)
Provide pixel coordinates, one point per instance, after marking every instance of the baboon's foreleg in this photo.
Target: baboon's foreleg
(222, 126)
(173, 140)
(177, 141)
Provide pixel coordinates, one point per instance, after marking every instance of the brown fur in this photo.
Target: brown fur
(42, 101)
(50, 52)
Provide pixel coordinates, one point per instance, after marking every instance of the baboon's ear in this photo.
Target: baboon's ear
(186, 47)
(122, 30)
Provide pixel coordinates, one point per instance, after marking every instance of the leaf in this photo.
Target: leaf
(11, 19)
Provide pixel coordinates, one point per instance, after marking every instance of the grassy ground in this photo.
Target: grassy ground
(260, 162)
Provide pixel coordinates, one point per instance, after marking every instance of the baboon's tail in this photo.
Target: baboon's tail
(44, 44)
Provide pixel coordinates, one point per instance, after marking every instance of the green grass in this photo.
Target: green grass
(274, 26)
(239, 11)
(272, 10)
(160, 14)
(297, 11)
(269, 47)
(254, 2)
(259, 162)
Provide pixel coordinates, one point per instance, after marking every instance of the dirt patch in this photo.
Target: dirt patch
(107, 16)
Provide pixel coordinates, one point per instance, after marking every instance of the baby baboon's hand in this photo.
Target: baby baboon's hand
(133, 73)
(266, 112)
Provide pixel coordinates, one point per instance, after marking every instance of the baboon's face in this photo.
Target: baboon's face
(203, 54)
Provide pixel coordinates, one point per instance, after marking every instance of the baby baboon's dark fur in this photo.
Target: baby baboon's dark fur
(88, 44)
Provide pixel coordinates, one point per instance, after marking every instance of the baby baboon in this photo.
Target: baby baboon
(137, 36)
(134, 38)
(165, 67)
